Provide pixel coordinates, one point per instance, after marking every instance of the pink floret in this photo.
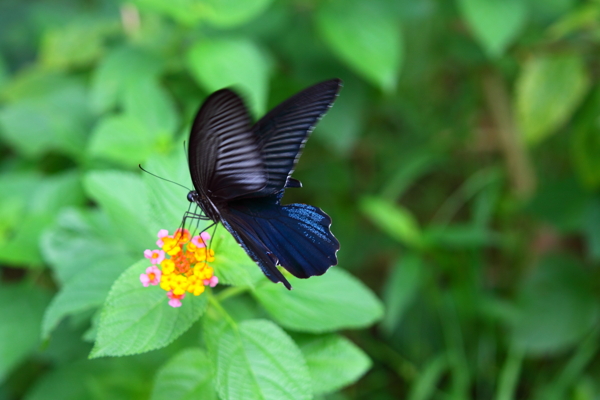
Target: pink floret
(174, 300)
(175, 303)
(145, 280)
(151, 277)
(212, 282)
(197, 241)
(161, 234)
(201, 240)
(155, 256)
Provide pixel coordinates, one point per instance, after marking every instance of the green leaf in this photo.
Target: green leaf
(572, 23)
(92, 332)
(458, 236)
(230, 13)
(495, 23)
(19, 188)
(186, 376)
(136, 319)
(73, 233)
(585, 143)
(40, 201)
(549, 89)
(258, 360)
(591, 226)
(333, 361)
(146, 101)
(86, 259)
(58, 120)
(557, 307)
(214, 323)
(57, 191)
(66, 343)
(549, 10)
(401, 288)
(22, 126)
(220, 13)
(167, 201)
(124, 198)
(227, 314)
(123, 139)
(562, 203)
(366, 36)
(75, 45)
(21, 310)
(34, 83)
(409, 170)
(4, 74)
(123, 378)
(216, 64)
(186, 12)
(425, 386)
(119, 69)
(393, 219)
(325, 303)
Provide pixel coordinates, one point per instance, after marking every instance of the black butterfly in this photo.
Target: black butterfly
(240, 172)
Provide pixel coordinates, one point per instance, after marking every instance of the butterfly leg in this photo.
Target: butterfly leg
(192, 215)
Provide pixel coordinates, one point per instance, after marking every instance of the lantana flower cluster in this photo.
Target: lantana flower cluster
(183, 262)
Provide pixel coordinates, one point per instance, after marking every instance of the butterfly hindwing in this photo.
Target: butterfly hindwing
(297, 235)
(224, 157)
(246, 236)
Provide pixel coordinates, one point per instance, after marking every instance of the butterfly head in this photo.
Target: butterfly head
(193, 197)
(207, 206)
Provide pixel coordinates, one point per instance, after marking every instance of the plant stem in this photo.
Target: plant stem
(510, 375)
(518, 164)
(212, 299)
(231, 292)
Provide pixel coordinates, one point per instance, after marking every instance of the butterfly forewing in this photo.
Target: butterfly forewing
(224, 157)
(283, 131)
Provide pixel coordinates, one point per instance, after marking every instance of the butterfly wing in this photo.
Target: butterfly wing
(295, 236)
(224, 154)
(282, 132)
(243, 171)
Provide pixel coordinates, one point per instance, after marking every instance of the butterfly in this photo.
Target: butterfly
(240, 171)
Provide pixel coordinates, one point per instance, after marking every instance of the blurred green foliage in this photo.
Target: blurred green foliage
(459, 165)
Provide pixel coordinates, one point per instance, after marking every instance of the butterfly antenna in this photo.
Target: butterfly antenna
(164, 179)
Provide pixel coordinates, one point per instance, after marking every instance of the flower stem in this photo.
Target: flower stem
(231, 292)
(212, 299)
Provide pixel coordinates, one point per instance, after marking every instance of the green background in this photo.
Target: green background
(460, 165)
